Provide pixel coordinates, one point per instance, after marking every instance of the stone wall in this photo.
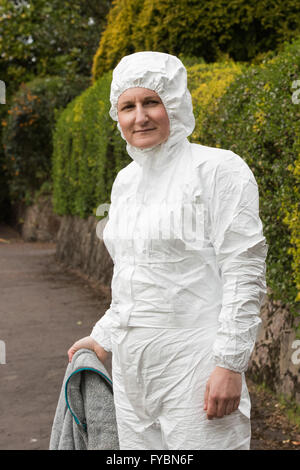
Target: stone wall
(79, 247)
(274, 359)
(38, 221)
(276, 356)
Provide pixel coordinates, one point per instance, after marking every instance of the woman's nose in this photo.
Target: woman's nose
(141, 115)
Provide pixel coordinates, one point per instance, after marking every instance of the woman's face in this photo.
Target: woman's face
(143, 118)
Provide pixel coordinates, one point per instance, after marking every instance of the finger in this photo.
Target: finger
(236, 404)
(71, 352)
(229, 407)
(221, 408)
(212, 407)
(206, 396)
(70, 355)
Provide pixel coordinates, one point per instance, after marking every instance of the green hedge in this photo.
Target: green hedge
(201, 28)
(88, 152)
(27, 134)
(257, 119)
(207, 84)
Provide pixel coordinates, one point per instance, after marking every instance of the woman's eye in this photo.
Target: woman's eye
(128, 106)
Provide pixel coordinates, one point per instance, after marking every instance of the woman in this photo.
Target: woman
(189, 271)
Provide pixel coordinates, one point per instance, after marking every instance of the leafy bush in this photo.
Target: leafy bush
(42, 38)
(207, 83)
(291, 214)
(257, 119)
(200, 28)
(27, 135)
(39, 39)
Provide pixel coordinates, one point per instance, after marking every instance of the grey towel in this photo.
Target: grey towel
(85, 415)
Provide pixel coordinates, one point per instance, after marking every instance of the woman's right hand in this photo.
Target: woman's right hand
(83, 343)
(89, 343)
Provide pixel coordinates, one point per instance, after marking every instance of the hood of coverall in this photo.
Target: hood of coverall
(166, 75)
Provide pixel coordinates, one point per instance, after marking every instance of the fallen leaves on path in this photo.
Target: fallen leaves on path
(3, 240)
(271, 428)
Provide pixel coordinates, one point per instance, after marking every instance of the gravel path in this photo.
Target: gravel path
(44, 308)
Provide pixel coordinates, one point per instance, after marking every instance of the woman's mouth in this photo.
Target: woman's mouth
(144, 130)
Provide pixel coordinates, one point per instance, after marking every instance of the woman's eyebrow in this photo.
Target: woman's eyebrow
(125, 102)
(150, 97)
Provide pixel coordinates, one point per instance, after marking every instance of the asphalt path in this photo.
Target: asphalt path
(44, 308)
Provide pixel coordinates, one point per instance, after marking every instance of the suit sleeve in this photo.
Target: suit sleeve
(101, 331)
(241, 250)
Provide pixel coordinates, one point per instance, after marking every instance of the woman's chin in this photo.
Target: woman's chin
(147, 143)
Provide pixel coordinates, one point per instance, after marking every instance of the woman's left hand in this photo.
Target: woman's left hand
(223, 392)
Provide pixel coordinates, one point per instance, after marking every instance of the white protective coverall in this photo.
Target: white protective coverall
(187, 243)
